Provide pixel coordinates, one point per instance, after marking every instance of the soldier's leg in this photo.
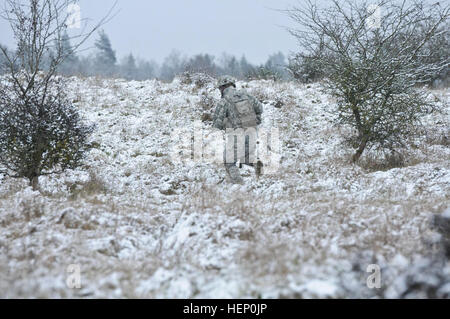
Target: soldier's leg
(258, 168)
(250, 156)
(230, 163)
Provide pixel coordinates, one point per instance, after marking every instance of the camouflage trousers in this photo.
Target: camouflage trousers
(248, 157)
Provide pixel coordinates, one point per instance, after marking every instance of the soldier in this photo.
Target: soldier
(238, 110)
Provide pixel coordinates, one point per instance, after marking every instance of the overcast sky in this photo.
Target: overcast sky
(150, 29)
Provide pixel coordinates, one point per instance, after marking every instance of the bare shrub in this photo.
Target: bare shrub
(40, 130)
(41, 133)
(374, 71)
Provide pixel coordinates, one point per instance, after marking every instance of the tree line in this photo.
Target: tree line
(104, 62)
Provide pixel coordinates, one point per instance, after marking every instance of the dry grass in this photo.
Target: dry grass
(388, 160)
(93, 186)
(308, 221)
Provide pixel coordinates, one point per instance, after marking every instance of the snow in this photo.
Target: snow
(141, 225)
(320, 289)
(446, 214)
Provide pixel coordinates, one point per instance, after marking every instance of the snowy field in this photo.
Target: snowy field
(141, 226)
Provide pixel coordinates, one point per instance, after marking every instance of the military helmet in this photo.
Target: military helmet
(225, 80)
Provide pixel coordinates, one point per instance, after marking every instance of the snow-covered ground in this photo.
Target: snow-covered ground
(140, 225)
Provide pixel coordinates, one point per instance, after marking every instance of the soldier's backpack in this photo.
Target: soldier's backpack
(244, 113)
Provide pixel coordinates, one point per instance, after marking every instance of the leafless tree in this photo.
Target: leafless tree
(374, 57)
(39, 27)
(40, 130)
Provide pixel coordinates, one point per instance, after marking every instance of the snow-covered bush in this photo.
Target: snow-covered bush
(263, 73)
(372, 63)
(200, 80)
(40, 129)
(41, 133)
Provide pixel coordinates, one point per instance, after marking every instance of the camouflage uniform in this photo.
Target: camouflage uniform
(225, 116)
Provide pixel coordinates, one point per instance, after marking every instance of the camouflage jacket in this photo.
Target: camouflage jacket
(224, 112)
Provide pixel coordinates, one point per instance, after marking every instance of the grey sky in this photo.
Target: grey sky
(151, 29)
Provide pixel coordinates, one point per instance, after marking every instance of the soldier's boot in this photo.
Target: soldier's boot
(233, 173)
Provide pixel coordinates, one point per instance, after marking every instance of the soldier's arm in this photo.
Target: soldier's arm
(258, 109)
(220, 116)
